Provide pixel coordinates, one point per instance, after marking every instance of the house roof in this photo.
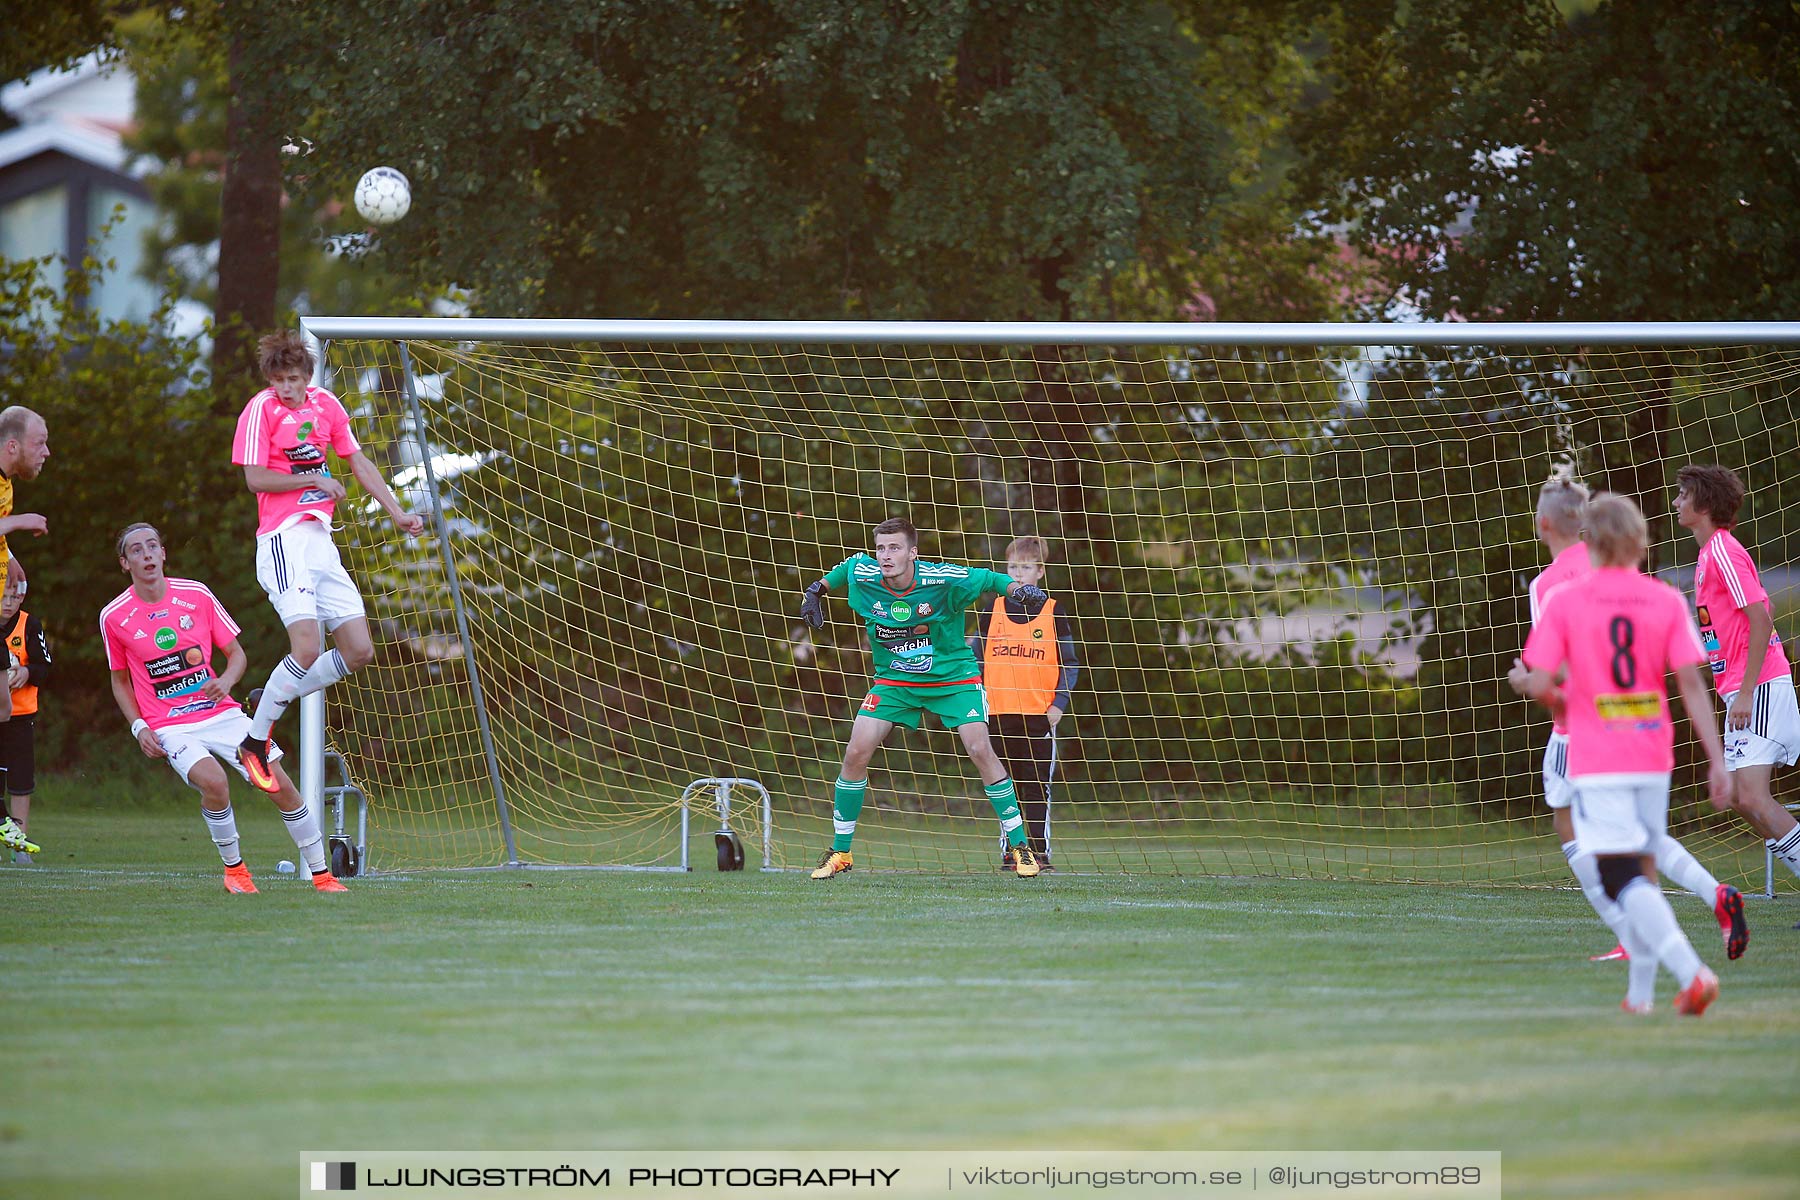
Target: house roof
(48, 91)
(77, 142)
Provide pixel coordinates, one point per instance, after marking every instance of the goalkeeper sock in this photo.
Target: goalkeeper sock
(846, 806)
(303, 827)
(1006, 807)
(223, 827)
(288, 682)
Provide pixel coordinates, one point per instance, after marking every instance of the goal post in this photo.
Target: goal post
(1293, 558)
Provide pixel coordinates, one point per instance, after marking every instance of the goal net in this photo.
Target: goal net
(1295, 576)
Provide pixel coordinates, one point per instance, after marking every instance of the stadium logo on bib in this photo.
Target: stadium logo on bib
(902, 611)
(1037, 633)
(165, 638)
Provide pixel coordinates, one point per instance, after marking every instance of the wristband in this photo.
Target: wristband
(138, 726)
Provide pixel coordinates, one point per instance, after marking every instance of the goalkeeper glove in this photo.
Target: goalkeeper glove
(812, 605)
(1031, 596)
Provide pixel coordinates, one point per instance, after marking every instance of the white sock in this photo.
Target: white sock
(1674, 861)
(1653, 921)
(1587, 874)
(1640, 978)
(1787, 848)
(223, 827)
(303, 827)
(287, 683)
(282, 688)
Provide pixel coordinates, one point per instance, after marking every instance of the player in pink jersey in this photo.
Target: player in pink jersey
(1561, 503)
(282, 438)
(1617, 634)
(1762, 720)
(160, 634)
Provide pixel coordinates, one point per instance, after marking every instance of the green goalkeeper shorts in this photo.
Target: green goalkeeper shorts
(956, 704)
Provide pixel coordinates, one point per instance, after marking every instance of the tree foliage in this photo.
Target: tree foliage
(53, 33)
(183, 93)
(132, 437)
(801, 158)
(1501, 161)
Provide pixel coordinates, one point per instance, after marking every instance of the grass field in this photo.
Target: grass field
(169, 1040)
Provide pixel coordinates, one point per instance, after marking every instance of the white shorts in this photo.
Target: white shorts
(1773, 738)
(1558, 792)
(1621, 814)
(187, 745)
(306, 581)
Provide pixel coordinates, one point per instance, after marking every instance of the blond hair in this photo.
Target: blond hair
(1617, 534)
(1559, 506)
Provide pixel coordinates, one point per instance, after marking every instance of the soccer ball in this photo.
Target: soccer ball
(383, 195)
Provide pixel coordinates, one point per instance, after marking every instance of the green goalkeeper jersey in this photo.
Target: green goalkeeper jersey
(917, 636)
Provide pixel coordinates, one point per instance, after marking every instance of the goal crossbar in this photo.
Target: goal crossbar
(1026, 333)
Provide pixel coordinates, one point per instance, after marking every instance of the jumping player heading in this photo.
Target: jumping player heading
(282, 438)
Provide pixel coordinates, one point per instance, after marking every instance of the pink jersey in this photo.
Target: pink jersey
(1620, 633)
(1726, 583)
(166, 647)
(1573, 563)
(292, 441)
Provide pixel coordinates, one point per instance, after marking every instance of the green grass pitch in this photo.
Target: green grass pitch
(164, 1039)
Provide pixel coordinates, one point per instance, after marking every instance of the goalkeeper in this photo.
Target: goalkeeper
(914, 613)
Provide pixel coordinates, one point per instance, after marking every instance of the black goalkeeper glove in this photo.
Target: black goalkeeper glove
(1031, 596)
(812, 605)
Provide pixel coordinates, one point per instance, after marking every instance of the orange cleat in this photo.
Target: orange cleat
(1692, 1000)
(327, 882)
(254, 754)
(237, 880)
(1636, 1010)
(1616, 954)
(833, 862)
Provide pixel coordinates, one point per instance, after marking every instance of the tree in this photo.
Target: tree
(183, 109)
(1637, 163)
(1498, 161)
(127, 408)
(53, 33)
(812, 158)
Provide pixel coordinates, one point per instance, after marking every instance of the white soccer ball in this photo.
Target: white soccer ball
(383, 195)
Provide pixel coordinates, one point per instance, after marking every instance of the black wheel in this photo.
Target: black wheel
(343, 858)
(731, 851)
